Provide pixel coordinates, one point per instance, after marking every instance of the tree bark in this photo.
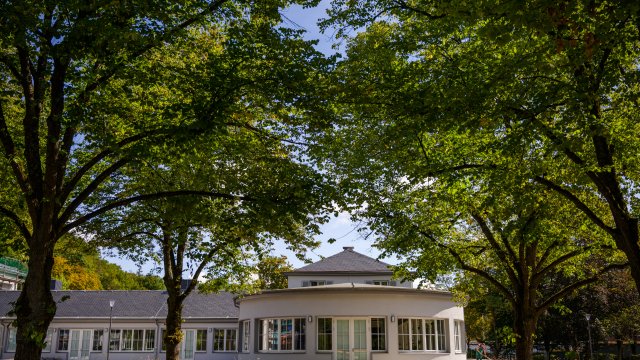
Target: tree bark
(35, 307)
(173, 333)
(524, 326)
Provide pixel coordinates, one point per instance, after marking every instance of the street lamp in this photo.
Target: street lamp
(111, 303)
(588, 317)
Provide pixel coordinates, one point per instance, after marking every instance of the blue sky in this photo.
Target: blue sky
(340, 228)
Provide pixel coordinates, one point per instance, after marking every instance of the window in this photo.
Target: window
(150, 340)
(132, 340)
(381, 282)
(201, 340)
(11, 340)
(324, 334)
(114, 340)
(246, 332)
(286, 334)
(457, 335)
(224, 339)
(378, 334)
(63, 340)
(164, 343)
(47, 346)
(421, 335)
(97, 340)
(317, 283)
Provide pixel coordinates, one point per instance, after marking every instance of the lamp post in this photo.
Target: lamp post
(588, 317)
(111, 303)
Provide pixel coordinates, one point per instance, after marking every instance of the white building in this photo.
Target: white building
(347, 307)
(344, 307)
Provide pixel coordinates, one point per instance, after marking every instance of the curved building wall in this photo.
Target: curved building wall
(347, 303)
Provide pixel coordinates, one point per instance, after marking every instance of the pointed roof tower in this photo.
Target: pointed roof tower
(346, 261)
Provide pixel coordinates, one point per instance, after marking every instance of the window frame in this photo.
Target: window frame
(246, 336)
(225, 340)
(199, 332)
(382, 334)
(433, 331)
(10, 346)
(317, 282)
(129, 337)
(265, 331)
(320, 320)
(458, 343)
(63, 338)
(381, 282)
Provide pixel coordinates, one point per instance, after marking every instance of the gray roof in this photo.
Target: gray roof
(347, 261)
(131, 304)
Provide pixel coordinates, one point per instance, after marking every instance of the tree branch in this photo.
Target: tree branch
(154, 196)
(563, 292)
(403, 5)
(69, 186)
(16, 220)
(157, 41)
(10, 153)
(90, 189)
(577, 202)
(488, 234)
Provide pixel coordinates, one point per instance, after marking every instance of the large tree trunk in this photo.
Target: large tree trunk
(35, 307)
(629, 243)
(524, 327)
(173, 333)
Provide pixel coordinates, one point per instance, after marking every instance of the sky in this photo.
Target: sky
(340, 228)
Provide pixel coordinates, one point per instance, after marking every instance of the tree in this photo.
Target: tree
(65, 68)
(273, 193)
(475, 82)
(271, 272)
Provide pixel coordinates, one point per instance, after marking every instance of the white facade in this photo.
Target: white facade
(357, 315)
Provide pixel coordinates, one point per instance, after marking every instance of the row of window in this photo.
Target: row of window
(131, 340)
(275, 335)
(414, 334)
(325, 282)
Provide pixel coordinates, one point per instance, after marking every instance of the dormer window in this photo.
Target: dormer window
(317, 282)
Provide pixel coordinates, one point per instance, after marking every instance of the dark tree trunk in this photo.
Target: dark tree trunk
(629, 243)
(525, 328)
(619, 344)
(35, 307)
(173, 333)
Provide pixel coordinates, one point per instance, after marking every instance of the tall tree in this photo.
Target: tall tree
(65, 68)
(271, 272)
(268, 74)
(484, 79)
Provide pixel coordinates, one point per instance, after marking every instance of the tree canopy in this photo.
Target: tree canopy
(85, 101)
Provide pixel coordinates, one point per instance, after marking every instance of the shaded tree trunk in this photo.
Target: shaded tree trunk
(619, 344)
(35, 307)
(525, 327)
(173, 332)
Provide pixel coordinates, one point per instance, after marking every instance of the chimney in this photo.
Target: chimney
(347, 248)
(56, 284)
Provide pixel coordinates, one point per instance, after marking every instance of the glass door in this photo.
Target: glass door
(351, 339)
(80, 344)
(188, 346)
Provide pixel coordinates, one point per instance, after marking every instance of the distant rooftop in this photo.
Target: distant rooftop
(346, 261)
(131, 304)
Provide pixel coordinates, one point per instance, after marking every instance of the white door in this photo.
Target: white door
(188, 346)
(351, 339)
(80, 344)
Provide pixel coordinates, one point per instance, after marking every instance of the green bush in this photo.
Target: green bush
(538, 356)
(571, 355)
